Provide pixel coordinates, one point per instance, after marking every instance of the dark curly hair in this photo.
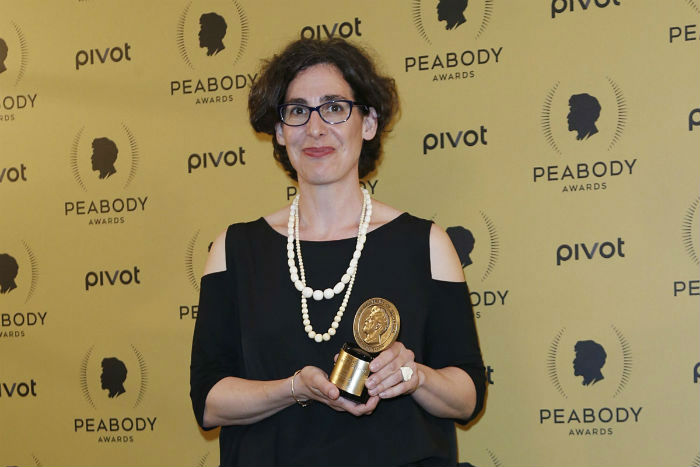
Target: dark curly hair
(357, 68)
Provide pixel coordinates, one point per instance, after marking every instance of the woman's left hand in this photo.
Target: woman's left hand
(387, 379)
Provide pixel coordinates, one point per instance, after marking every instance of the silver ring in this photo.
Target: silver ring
(406, 373)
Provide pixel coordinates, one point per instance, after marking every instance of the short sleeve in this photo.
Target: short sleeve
(451, 338)
(215, 352)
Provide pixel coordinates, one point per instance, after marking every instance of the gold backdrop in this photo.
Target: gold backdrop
(563, 135)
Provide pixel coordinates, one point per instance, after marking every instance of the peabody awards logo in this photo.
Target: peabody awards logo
(369, 184)
(19, 277)
(114, 381)
(584, 121)
(15, 101)
(494, 459)
(196, 253)
(212, 37)
(690, 233)
(590, 367)
(685, 33)
(30, 459)
(478, 247)
(104, 161)
(451, 28)
(203, 460)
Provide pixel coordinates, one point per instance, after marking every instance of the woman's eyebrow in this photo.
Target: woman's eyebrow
(326, 98)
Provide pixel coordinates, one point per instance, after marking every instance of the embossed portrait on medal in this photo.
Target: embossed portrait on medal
(375, 324)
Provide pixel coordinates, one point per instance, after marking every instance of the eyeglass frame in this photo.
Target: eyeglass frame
(317, 109)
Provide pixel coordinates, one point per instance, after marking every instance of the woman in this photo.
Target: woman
(275, 290)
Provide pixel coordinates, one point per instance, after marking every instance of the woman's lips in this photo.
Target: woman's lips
(318, 152)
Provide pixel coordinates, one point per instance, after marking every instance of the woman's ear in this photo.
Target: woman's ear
(279, 134)
(369, 124)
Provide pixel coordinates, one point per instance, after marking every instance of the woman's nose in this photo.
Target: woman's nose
(315, 126)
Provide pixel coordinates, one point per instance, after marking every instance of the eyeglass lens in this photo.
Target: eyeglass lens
(331, 112)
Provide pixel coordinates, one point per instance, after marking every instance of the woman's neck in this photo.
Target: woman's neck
(329, 212)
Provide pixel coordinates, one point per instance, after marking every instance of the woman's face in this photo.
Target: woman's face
(321, 153)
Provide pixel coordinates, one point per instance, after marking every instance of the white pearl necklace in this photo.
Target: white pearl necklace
(348, 279)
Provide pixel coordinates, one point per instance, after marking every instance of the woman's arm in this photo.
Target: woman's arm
(445, 392)
(237, 401)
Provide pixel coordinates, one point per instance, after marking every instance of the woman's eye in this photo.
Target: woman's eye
(298, 110)
(335, 107)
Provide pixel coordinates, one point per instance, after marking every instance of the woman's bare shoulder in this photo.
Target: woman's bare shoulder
(216, 261)
(444, 261)
(382, 213)
(278, 220)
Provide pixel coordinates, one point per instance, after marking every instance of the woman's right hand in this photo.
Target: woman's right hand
(312, 383)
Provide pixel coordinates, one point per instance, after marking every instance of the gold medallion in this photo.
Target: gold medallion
(376, 325)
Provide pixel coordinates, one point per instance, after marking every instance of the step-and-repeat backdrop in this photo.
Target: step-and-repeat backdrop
(557, 141)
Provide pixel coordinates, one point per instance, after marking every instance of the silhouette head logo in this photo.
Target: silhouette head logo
(8, 273)
(584, 111)
(590, 359)
(452, 12)
(3, 54)
(113, 376)
(463, 241)
(104, 155)
(375, 325)
(211, 33)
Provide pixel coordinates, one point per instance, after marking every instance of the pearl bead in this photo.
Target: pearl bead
(298, 277)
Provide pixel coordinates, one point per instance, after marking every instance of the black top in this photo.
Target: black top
(249, 325)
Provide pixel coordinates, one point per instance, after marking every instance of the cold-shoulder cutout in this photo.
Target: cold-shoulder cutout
(444, 261)
(216, 261)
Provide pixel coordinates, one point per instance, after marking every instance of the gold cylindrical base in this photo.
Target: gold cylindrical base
(351, 371)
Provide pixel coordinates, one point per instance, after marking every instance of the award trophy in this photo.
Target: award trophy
(375, 328)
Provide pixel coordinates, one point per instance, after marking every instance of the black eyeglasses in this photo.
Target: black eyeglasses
(331, 112)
